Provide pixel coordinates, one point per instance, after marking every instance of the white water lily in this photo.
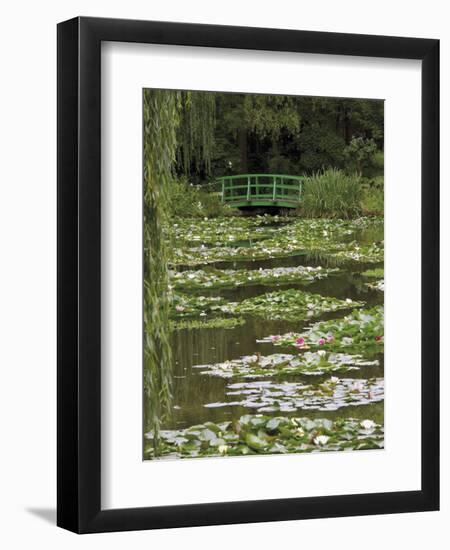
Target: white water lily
(334, 379)
(357, 386)
(321, 440)
(321, 353)
(368, 424)
(348, 300)
(223, 449)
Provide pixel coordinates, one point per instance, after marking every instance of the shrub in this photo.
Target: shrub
(332, 194)
(372, 202)
(187, 200)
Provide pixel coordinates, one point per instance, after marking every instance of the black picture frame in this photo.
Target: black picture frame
(79, 276)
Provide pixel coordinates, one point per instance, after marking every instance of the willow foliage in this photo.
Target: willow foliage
(168, 117)
(268, 115)
(161, 118)
(196, 130)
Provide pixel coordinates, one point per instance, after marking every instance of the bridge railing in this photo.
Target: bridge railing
(261, 189)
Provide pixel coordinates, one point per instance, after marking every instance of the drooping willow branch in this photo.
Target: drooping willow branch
(160, 123)
(165, 112)
(196, 131)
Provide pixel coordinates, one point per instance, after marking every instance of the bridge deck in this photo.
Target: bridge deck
(261, 190)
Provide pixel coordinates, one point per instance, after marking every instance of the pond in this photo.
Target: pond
(247, 337)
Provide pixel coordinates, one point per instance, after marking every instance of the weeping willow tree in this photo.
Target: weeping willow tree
(173, 121)
(196, 131)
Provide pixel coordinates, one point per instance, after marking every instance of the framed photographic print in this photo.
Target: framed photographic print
(248, 315)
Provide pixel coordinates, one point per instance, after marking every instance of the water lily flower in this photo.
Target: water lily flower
(321, 440)
(275, 338)
(348, 300)
(223, 449)
(330, 338)
(321, 342)
(378, 338)
(321, 353)
(368, 424)
(179, 308)
(334, 380)
(300, 342)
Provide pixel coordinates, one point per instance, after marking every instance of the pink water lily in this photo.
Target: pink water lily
(330, 338)
(321, 342)
(300, 342)
(275, 338)
(378, 338)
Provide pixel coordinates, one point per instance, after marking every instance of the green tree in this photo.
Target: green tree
(360, 154)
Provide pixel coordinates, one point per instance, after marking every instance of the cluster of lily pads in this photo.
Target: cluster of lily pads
(280, 364)
(330, 395)
(372, 253)
(185, 305)
(375, 273)
(225, 230)
(214, 322)
(218, 240)
(220, 231)
(360, 332)
(229, 278)
(291, 304)
(377, 285)
(279, 248)
(261, 434)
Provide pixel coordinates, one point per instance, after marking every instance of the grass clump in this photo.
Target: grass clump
(332, 194)
(372, 202)
(192, 201)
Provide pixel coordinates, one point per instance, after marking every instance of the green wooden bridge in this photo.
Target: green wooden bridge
(248, 190)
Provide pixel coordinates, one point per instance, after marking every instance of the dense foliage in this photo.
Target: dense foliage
(292, 135)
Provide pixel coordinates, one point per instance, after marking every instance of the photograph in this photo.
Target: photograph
(263, 276)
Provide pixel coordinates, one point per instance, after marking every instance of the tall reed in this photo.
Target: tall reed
(332, 194)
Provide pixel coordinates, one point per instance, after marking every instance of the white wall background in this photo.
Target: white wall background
(28, 269)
